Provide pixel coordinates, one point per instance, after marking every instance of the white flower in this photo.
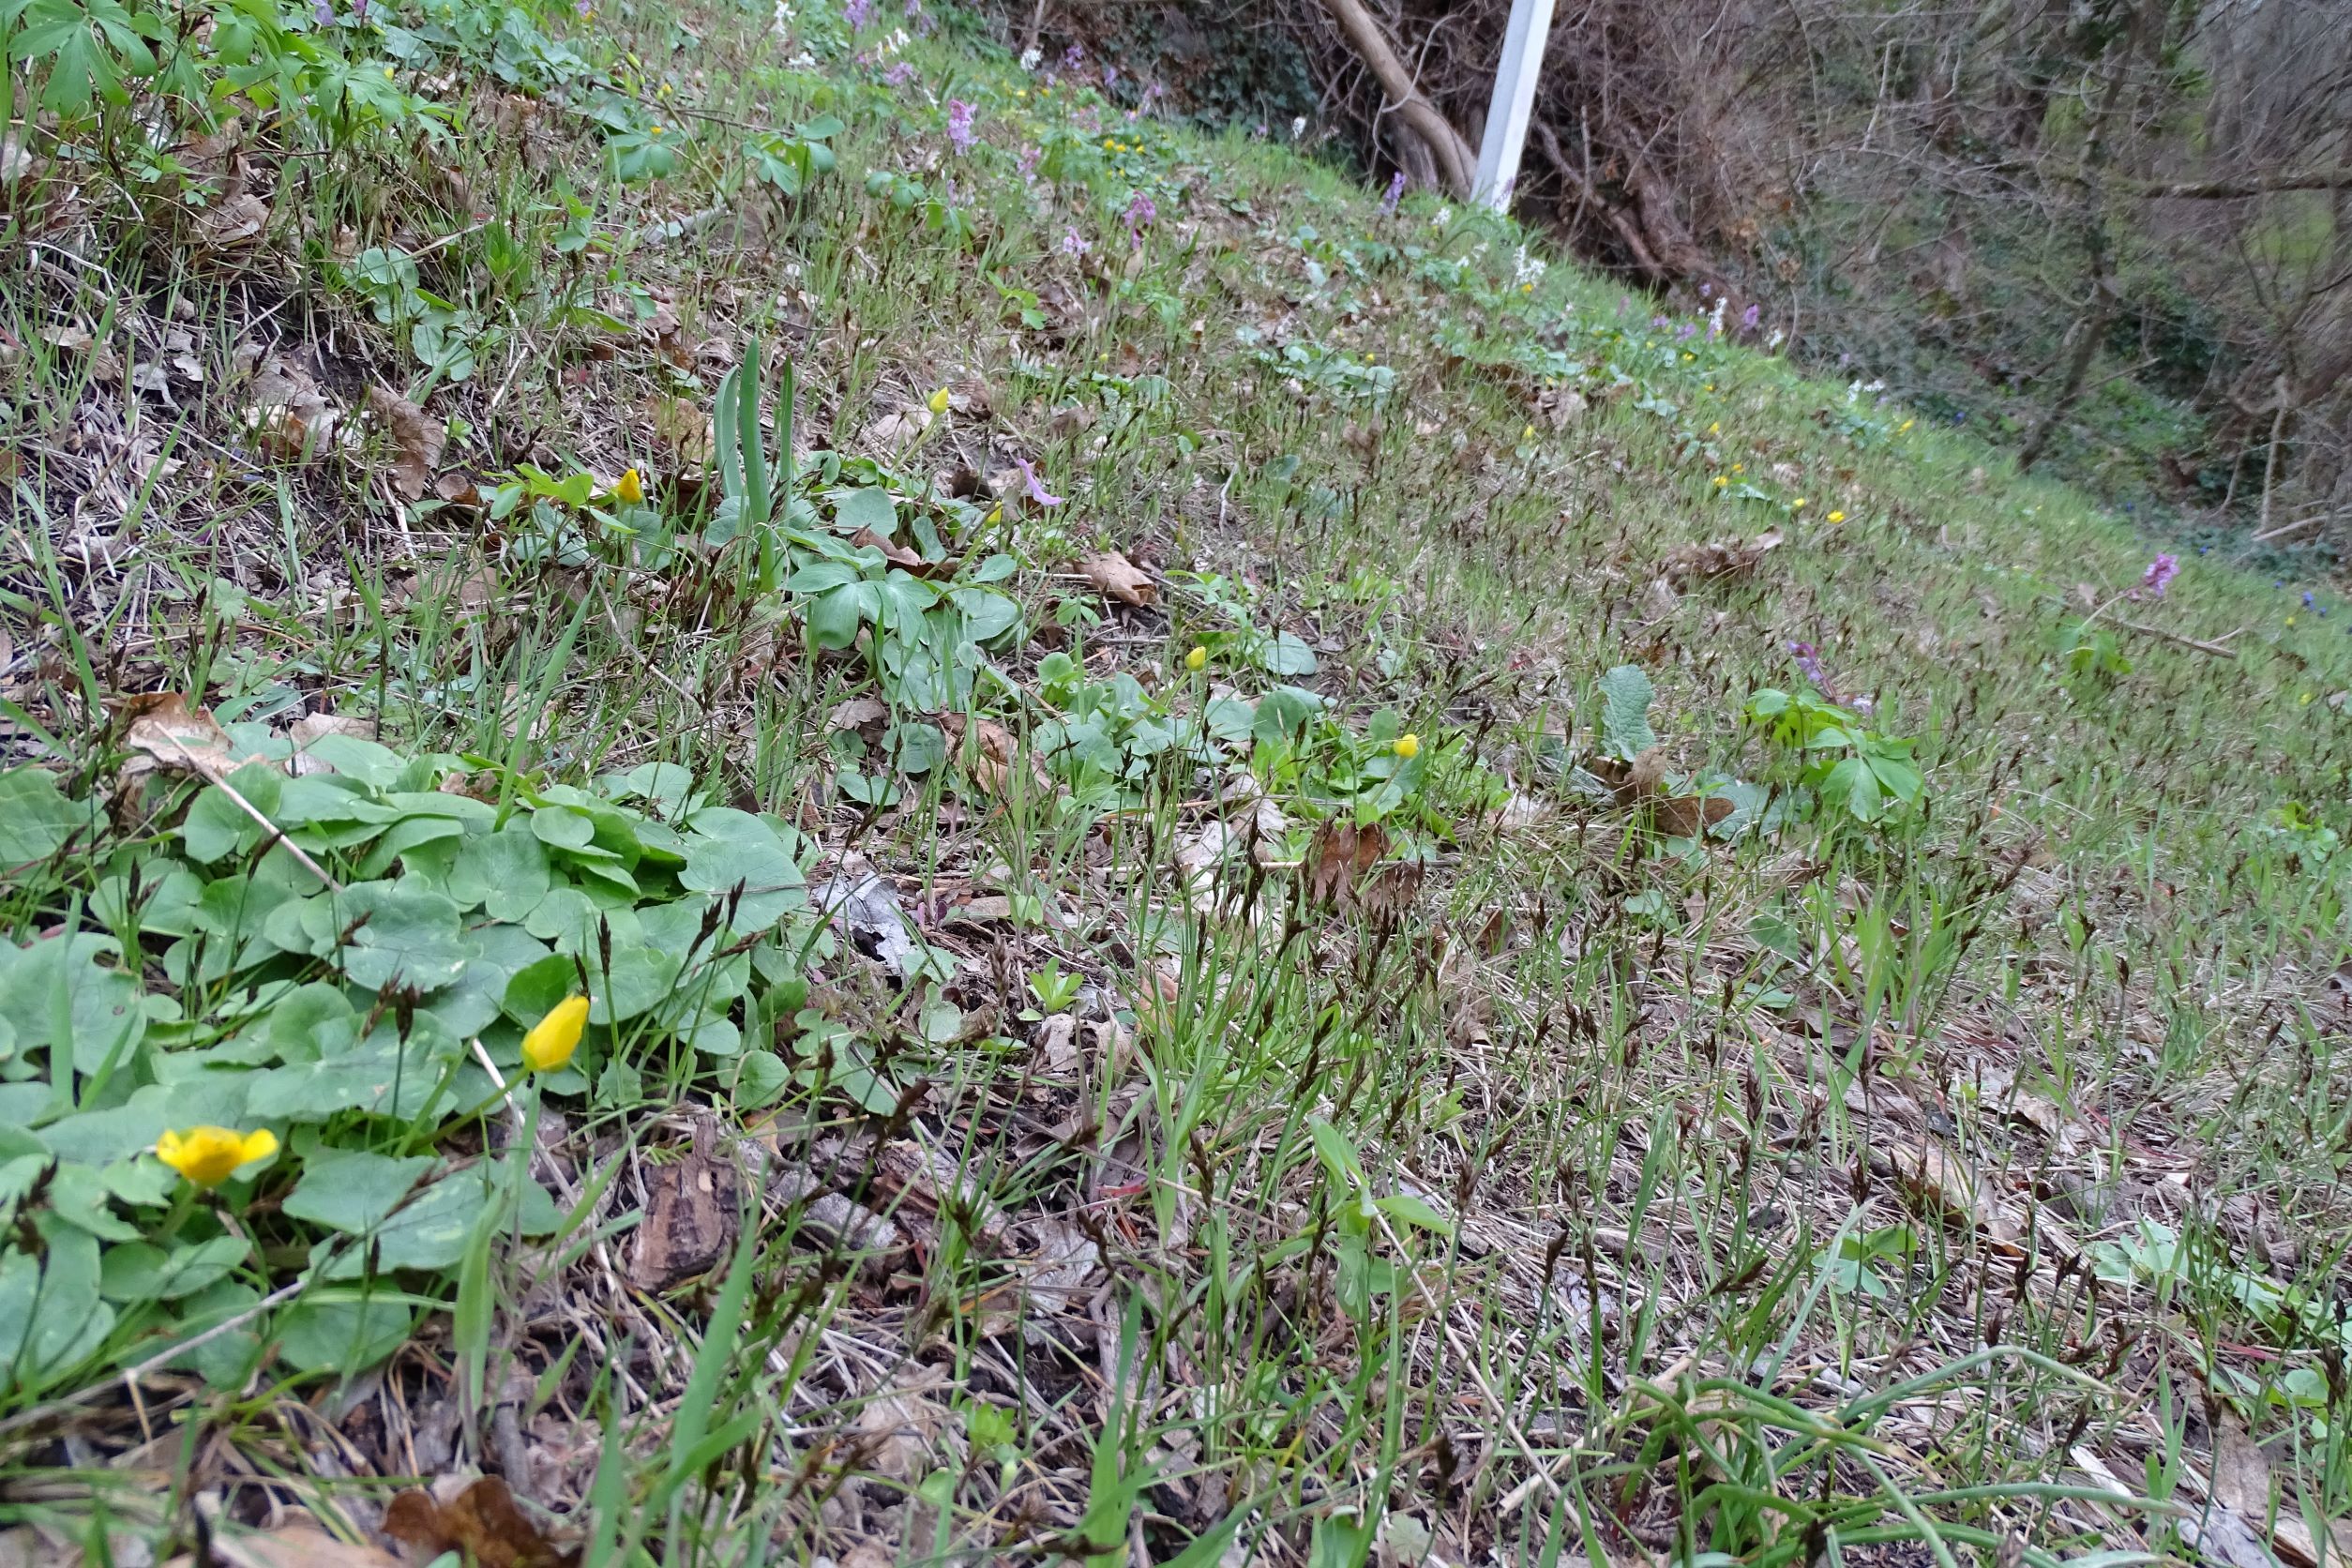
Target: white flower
(1029, 57)
(1297, 128)
(1526, 268)
(1445, 216)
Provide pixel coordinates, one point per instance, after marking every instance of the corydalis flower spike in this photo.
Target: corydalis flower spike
(1036, 490)
(2159, 573)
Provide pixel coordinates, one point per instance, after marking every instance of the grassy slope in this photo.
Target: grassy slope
(1636, 1091)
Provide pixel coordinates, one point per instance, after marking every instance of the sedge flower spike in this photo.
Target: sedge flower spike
(549, 1045)
(210, 1155)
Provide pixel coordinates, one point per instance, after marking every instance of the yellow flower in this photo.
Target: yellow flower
(629, 488)
(1798, 505)
(995, 515)
(1905, 426)
(1688, 358)
(2290, 620)
(1836, 517)
(938, 402)
(1528, 434)
(1716, 429)
(653, 129)
(1530, 288)
(1738, 468)
(1020, 92)
(210, 1155)
(552, 1039)
(2307, 697)
(1407, 746)
(1721, 481)
(1197, 659)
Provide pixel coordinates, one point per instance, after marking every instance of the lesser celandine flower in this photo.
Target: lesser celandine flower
(1407, 746)
(552, 1039)
(1836, 517)
(631, 486)
(210, 1155)
(938, 402)
(1197, 659)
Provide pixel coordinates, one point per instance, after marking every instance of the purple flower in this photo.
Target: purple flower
(1140, 214)
(899, 74)
(1072, 57)
(1073, 243)
(2159, 573)
(1026, 164)
(1687, 331)
(1749, 317)
(1809, 660)
(857, 11)
(959, 123)
(1396, 194)
(324, 14)
(1036, 490)
(1110, 76)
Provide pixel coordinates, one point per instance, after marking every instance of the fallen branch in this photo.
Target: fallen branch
(2216, 649)
(2258, 185)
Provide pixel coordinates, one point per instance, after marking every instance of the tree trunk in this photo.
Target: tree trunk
(1456, 165)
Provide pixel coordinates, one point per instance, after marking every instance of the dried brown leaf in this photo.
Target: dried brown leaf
(898, 429)
(482, 1523)
(297, 1545)
(1718, 559)
(238, 220)
(1116, 576)
(1687, 816)
(899, 1426)
(290, 417)
(1341, 859)
(683, 429)
(691, 1215)
(163, 733)
(2241, 1484)
(417, 440)
(989, 753)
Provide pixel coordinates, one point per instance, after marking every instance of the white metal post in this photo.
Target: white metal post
(1514, 102)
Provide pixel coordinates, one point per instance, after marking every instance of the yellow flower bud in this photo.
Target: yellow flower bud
(1836, 517)
(938, 402)
(552, 1039)
(1799, 504)
(629, 488)
(1197, 659)
(210, 1155)
(1407, 746)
